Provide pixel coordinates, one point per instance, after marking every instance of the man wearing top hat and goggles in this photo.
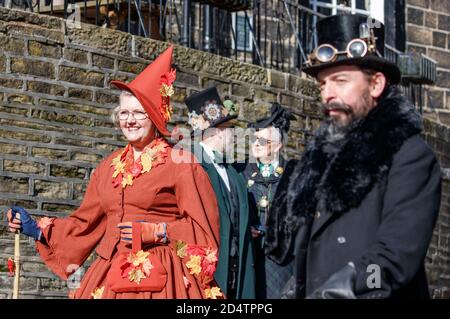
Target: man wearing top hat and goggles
(358, 210)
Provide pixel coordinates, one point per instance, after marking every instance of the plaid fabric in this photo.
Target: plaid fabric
(271, 277)
(276, 277)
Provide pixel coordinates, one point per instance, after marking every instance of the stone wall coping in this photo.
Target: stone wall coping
(76, 37)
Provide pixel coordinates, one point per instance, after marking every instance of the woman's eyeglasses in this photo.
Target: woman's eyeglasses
(261, 140)
(138, 115)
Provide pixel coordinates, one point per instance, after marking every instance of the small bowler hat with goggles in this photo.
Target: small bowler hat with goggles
(351, 39)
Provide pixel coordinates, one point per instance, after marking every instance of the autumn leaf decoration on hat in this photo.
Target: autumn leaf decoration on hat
(167, 91)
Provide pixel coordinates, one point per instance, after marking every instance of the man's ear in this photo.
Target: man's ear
(377, 84)
(277, 148)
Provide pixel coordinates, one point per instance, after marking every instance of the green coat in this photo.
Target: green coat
(246, 276)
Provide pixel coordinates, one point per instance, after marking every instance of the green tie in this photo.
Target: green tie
(265, 169)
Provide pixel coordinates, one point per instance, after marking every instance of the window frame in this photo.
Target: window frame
(248, 40)
(375, 10)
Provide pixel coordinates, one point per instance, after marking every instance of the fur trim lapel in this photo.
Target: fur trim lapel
(365, 156)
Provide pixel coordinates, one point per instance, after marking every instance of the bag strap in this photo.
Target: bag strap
(136, 235)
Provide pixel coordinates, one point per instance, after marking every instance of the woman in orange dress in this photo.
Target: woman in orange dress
(138, 195)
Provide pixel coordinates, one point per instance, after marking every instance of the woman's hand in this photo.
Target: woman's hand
(14, 222)
(19, 220)
(255, 232)
(258, 231)
(151, 232)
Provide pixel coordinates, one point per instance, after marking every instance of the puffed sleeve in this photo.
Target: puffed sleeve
(197, 202)
(68, 241)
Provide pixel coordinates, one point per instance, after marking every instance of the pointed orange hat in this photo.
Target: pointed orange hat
(153, 88)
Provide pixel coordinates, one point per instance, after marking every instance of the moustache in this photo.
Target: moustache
(341, 107)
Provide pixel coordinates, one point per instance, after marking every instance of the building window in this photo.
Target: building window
(242, 36)
(372, 8)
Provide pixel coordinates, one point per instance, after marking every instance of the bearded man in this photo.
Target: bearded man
(358, 211)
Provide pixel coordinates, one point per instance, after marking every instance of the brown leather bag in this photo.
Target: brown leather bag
(137, 270)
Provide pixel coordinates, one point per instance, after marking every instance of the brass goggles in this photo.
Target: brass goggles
(356, 48)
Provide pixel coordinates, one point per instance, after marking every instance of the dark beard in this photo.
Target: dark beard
(336, 106)
(335, 135)
(335, 130)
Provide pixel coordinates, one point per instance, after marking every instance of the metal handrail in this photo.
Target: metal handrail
(274, 27)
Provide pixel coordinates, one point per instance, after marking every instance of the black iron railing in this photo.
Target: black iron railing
(271, 33)
(417, 70)
(275, 34)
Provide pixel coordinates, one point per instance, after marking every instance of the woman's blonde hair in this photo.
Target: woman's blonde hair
(116, 110)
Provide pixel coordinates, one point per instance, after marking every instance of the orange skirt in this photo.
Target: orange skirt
(95, 280)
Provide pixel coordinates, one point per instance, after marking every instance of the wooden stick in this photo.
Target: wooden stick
(17, 265)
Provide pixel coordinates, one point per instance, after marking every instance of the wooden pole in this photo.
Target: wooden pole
(17, 265)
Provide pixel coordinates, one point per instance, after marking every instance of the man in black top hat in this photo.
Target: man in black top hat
(263, 172)
(212, 123)
(358, 211)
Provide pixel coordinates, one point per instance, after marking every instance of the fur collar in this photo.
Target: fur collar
(362, 159)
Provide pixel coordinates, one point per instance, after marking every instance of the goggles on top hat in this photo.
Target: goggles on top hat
(356, 48)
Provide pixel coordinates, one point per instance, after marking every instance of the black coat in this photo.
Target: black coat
(259, 187)
(271, 277)
(374, 201)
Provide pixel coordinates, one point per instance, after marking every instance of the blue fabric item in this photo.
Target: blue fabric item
(164, 234)
(29, 225)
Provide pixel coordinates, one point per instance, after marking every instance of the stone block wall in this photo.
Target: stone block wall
(437, 262)
(428, 32)
(55, 102)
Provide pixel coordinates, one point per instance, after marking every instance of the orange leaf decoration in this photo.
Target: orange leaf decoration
(44, 222)
(126, 169)
(147, 266)
(201, 262)
(166, 91)
(98, 292)
(187, 283)
(213, 293)
(169, 77)
(11, 267)
(181, 249)
(194, 265)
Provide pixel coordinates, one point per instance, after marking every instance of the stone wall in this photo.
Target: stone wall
(55, 102)
(437, 262)
(428, 32)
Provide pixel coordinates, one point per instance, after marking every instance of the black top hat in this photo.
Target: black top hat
(347, 34)
(280, 118)
(206, 109)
